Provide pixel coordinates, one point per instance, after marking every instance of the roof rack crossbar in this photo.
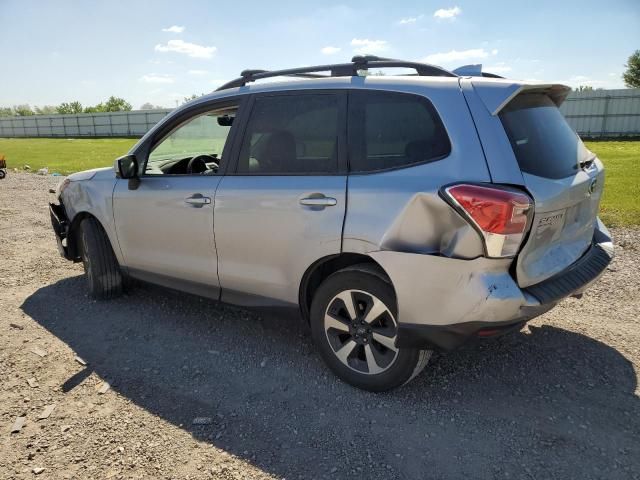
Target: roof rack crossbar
(357, 64)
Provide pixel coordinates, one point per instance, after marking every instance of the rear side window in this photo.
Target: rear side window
(393, 130)
(542, 140)
(292, 134)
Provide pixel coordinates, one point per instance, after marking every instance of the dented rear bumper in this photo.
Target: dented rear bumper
(444, 301)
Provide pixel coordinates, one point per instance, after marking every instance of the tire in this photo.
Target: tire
(383, 366)
(2, 174)
(100, 264)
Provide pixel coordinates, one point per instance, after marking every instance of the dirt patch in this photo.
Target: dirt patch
(199, 390)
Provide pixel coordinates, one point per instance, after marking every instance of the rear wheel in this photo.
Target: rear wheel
(2, 174)
(353, 324)
(100, 264)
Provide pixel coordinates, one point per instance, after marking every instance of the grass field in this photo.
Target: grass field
(620, 205)
(63, 155)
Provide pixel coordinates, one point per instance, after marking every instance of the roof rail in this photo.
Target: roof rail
(358, 63)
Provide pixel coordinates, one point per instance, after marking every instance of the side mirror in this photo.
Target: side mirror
(127, 168)
(225, 120)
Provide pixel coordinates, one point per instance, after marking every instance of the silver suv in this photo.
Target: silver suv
(399, 214)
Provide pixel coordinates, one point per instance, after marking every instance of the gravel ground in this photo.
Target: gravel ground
(558, 400)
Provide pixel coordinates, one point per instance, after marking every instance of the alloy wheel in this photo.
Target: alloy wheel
(361, 331)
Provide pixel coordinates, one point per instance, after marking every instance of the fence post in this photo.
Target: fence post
(603, 127)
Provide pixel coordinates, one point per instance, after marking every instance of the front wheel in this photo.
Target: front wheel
(353, 324)
(100, 264)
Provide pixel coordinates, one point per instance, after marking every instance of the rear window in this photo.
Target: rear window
(542, 140)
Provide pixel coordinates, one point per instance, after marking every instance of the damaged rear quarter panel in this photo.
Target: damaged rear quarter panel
(401, 209)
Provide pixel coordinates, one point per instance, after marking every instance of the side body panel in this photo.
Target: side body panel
(266, 239)
(161, 234)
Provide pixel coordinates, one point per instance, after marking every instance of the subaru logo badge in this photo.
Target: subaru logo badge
(592, 186)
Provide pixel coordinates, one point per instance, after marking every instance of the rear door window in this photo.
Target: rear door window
(393, 130)
(543, 142)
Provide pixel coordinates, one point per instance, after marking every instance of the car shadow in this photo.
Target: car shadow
(545, 401)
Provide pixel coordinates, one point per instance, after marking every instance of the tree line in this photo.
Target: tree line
(113, 104)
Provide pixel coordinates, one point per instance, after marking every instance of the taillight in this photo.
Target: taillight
(501, 216)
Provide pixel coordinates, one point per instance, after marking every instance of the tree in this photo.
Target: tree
(632, 76)
(46, 110)
(22, 110)
(151, 106)
(6, 112)
(584, 88)
(117, 104)
(69, 108)
(113, 104)
(193, 96)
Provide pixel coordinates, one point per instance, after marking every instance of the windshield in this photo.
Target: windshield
(542, 140)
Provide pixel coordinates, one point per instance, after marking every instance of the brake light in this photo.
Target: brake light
(501, 216)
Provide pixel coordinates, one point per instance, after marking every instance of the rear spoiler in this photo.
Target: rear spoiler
(497, 94)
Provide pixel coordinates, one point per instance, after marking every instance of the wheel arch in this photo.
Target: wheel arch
(323, 267)
(73, 238)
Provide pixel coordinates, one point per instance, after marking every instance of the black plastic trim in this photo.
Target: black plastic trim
(357, 64)
(448, 337)
(584, 271)
(60, 224)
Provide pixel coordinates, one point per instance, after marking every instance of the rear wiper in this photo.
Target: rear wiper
(587, 163)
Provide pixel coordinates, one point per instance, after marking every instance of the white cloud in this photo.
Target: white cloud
(458, 56)
(364, 45)
(330, 50)
(494, 51)
(191, 49)
(156, 78)
(174, 29)
(197, 72)
(448, 13)
(409, 20)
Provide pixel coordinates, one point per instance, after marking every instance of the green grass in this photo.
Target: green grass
(620, 204)
(63, 155)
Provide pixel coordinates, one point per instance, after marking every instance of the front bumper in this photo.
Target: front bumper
(60, 224)
(444, 301)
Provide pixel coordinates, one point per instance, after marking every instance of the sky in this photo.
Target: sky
(161, 51)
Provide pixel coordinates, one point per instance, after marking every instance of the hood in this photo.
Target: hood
(99, 173)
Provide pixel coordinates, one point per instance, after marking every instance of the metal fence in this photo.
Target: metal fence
(593, 114)
(604, 113)
(109, 124)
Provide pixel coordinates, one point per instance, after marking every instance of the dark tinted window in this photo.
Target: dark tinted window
(292, 134)
(391, 130)
(542, 140)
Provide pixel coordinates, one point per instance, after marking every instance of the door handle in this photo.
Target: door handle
(319, 201)
(197, 200)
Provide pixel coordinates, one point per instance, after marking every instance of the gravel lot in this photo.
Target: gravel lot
(558, 400)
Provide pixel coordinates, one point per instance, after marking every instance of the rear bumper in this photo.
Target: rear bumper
(60, 224)
(442, 302)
